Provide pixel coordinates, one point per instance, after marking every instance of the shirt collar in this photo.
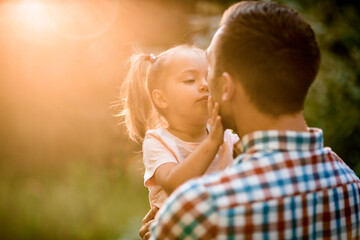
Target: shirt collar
(275, 140)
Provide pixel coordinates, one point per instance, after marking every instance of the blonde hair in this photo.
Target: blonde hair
(146, 73)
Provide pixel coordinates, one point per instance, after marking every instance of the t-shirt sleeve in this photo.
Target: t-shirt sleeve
(231, 137)
(155, 153)
(232, 140)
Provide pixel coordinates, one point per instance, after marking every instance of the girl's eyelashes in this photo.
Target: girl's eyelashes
(189, 81)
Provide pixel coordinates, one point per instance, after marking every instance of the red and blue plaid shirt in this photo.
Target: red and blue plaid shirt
(285, 185)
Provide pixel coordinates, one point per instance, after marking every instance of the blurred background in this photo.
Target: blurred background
(67, 168)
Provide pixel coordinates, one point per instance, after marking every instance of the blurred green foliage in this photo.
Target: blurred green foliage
(83, 201)
(333, 103)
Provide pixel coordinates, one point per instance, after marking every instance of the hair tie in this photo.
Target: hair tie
(151, 58)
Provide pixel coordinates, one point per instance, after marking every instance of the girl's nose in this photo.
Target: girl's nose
(204, 86)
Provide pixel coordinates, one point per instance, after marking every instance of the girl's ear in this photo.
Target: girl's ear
(159, 98)
(228, 86)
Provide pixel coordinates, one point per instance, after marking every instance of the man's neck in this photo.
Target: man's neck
(262, 122)
(247, 118)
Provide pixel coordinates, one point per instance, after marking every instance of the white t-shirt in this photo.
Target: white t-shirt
(160, 146)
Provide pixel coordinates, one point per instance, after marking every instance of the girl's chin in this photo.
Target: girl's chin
(201, 115)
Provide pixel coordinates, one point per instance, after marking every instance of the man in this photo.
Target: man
(285, 184)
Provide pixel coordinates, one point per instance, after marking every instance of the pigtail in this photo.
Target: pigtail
(138, 110)
(145, 74)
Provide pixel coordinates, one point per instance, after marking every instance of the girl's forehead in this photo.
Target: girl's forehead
(188, 53)
(187, 58)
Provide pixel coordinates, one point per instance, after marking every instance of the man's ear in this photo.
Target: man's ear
(159, 98)
(228, 85)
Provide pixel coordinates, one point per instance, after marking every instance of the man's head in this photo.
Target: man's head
(270, 50)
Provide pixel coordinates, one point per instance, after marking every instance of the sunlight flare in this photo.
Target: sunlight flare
(73, 19)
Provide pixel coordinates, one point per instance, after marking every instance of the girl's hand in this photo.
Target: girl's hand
(216, 128)
(144, 231)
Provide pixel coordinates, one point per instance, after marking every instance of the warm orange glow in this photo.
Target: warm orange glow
(32, 14)
(61, 65)
(61, 62)
(72, 19)
(83, 19)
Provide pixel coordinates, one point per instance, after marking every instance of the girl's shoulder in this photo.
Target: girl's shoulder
(159, 132)
(158, 143)
(161, 135)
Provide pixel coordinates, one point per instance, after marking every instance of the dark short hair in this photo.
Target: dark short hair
(272, 50)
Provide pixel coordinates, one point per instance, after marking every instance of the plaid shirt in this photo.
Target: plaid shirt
(285, 185)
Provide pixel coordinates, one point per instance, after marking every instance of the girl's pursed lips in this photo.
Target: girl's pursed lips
(204, 98)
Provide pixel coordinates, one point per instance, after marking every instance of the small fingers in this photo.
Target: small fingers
(215, 111)
(210, 110)
(145, 230)
(151, 214)
(218, 121)
(142, 232)
(219, 128)
(147, 236)
(210, 105)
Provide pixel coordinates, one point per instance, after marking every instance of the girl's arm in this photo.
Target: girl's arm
(170, 175)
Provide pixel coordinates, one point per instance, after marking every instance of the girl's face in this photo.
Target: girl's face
(186, 90)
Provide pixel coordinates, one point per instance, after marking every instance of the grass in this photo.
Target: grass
(82, 201)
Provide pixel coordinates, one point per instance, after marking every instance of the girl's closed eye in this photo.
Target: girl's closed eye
(189, 81)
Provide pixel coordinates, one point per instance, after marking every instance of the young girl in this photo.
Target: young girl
(166, 108)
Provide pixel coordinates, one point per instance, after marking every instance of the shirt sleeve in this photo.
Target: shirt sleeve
(234, 141)
(189, 213)
(231, 137)
(155, 153)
